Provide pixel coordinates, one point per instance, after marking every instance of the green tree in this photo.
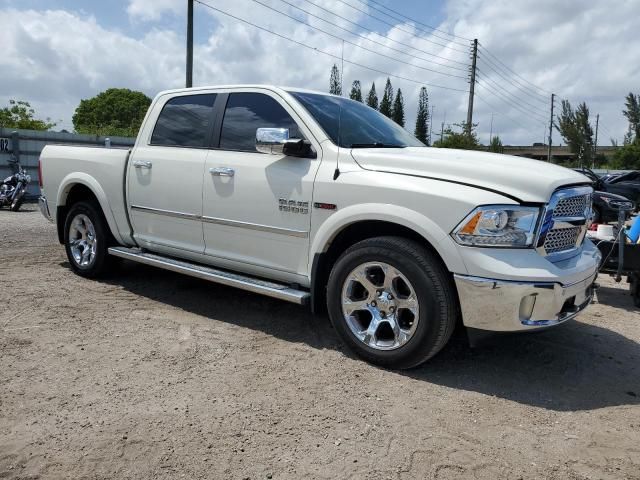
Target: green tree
(397, 114)
(632, 112)
(386, 104)
(335, 85)
(465, 139)
(576, 131)
(19, 114)
(372, 97)
(627, 157)
(116, 111)
(422, 118)
(495, 145)
(356, 91)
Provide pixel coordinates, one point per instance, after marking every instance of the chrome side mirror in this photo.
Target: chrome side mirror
(271, 140)
(276, 141)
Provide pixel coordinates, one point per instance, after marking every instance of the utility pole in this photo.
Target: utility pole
(553, 100)
(472, 86)
(431, 124)
(491, 130)
(444, 119)
(189, 79)
(595, 144)
(342, 69)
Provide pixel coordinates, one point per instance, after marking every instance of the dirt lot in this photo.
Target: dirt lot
(150, 374)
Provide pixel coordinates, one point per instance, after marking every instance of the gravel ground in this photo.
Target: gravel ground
(150, 374)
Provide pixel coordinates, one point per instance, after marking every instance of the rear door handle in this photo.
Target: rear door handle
(222, 172)
(141, 164)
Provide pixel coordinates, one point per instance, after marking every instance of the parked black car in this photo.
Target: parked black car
(626, 184)
(606, 206)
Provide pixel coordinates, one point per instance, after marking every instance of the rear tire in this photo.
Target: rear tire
(392, 302)
(86, 238)
(17, 202)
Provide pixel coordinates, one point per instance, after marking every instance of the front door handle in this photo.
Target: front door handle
(222, 172)
(141, 164)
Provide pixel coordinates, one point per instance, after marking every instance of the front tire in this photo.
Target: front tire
(86, 238)
(17, 202)
(392, 302)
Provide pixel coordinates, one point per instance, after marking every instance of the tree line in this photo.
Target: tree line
(577, 131)
(391, 106)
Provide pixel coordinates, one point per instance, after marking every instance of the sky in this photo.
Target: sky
(57, 52)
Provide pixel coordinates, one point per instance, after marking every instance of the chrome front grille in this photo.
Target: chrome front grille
(564, 225)
(561, 240)
(572, 206)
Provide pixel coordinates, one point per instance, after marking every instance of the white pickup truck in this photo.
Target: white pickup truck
(320, 200)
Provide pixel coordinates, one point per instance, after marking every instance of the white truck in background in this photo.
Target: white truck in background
(320, 200)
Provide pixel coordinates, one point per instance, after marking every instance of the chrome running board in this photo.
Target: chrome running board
(270, 289)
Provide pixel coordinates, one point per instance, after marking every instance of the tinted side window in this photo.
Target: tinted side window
(184, 121)
(245, 113)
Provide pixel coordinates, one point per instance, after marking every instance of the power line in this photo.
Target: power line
(337, 57)
(386, 38)
(368, 4)
(352, 43)
(535, 108)
(373, 41)
(500, 96)
(510, 102)
(608, 132)
(499, 112)
(526, 90)
(514, 73)
(403, 30)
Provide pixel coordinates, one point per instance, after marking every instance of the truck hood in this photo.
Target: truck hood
(521, 178)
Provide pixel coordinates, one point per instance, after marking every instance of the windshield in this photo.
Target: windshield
(352, 124)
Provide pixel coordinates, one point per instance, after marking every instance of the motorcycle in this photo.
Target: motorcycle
(13, 189)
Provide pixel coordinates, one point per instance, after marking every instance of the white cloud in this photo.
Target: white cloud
(581, 50)
(585, 51)
(151, 10)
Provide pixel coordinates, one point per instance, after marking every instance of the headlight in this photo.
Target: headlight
(618, 204)
(498, 226)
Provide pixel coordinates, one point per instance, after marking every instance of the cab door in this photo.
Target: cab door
(165, 176)
(257, 206)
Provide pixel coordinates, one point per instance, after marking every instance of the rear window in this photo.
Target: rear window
(184, 121)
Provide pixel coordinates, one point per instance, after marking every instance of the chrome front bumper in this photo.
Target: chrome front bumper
(44, 208)
(508, 306)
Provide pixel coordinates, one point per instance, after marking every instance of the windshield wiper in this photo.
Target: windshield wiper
(374, 145)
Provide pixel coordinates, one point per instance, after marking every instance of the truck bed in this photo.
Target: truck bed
(101, 169)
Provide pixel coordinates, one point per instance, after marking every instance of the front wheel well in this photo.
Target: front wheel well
(350, 235)
(77, 193)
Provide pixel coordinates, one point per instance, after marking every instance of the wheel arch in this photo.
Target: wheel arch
(333, 239)
(82, 187)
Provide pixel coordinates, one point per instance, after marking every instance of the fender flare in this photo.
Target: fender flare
(92, 184)
(440, 240)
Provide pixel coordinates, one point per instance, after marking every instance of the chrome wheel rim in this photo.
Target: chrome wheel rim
(82, 240)
(380, 306)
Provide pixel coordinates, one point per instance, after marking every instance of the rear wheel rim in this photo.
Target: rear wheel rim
(82, 241)
(380, 306)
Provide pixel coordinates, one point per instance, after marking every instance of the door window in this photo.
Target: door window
(245, 113)
(184, 121)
